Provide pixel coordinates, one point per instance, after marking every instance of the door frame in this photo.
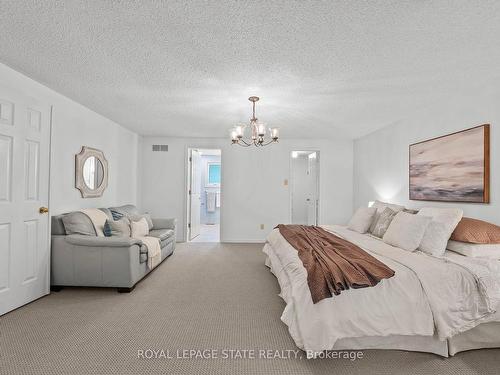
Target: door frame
(49, 201)
(318, 181)
(187, 183)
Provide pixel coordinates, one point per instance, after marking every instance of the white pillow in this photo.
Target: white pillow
(444, 222)
(435, 239)
(474, 250)
(362, 219)
(406, 231)
(381, 206)
(139, 228)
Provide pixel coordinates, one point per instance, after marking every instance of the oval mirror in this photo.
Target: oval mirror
(93, 172)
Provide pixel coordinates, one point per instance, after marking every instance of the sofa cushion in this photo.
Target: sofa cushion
(108, 213)
(162, 234)
(164, 223)
(127, 210)
(140, 216)
(139, 228)
(78, 223)
(115, 215)
(119, 228)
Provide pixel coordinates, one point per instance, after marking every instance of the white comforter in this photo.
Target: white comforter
(448, 295)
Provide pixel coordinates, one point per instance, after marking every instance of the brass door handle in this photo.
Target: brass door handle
(43, 210)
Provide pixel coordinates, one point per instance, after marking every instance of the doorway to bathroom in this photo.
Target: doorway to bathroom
(204, 195)
(304, 187)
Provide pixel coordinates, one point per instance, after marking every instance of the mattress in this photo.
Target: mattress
(395, 314)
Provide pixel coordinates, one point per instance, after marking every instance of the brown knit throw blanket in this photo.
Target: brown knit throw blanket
(332, 263)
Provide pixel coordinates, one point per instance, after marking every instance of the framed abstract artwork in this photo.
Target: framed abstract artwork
(452, 168)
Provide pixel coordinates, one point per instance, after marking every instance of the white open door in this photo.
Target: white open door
(312, 181)
(195, 194)
(24, 196)
(304, 187)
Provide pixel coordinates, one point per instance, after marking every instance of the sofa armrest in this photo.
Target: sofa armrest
(164, 223)
(80, 260)
(82, 240)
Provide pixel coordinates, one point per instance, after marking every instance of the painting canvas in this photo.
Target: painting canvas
(453, 168)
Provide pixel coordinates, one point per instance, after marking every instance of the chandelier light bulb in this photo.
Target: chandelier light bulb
(275, 133)
(239, 131)
(234, 135)
(261, 130)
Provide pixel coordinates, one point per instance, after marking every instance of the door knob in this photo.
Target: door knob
(43, 210)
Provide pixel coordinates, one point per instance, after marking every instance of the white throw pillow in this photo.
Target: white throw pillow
(362, 219)
(474, 250)
(139, 228)
(444, 222)
(435, 239)
(406, 231)
(381, 206)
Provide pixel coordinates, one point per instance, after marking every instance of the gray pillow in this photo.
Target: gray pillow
(119, 228)
(383, 222)
(139, 217)
(78, 223)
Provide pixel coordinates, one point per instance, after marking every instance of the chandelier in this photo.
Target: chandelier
(257, 129)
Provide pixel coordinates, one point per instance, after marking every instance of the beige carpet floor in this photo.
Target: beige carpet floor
(206, 296)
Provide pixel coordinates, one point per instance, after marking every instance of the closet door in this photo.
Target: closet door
(24, 194)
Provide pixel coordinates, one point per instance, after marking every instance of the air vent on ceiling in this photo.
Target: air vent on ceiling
(163, 148)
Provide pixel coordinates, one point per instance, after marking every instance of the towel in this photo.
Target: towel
(217, 200)
(98, 219)
(211, 201)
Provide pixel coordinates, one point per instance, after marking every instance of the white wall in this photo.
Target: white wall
(253, 190)
(74, 126)
(381, 158)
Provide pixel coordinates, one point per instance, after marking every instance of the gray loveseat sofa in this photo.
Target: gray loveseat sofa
(83, 259)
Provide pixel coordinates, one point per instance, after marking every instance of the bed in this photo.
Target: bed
(440, 306)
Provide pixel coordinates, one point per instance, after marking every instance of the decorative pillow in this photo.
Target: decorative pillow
(383, 222)
(381, 206)
(362, 219)
(78, 223)
(476, 231)
(435, 239)
(120, 228)
(474, 250)
(139, 228)
(444, 221)
(406, 231)
(139, 217)
(117, 215)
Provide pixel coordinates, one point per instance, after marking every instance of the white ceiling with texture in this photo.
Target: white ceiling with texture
(322, 69)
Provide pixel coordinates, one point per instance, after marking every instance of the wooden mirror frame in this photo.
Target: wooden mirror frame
(80, 184)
